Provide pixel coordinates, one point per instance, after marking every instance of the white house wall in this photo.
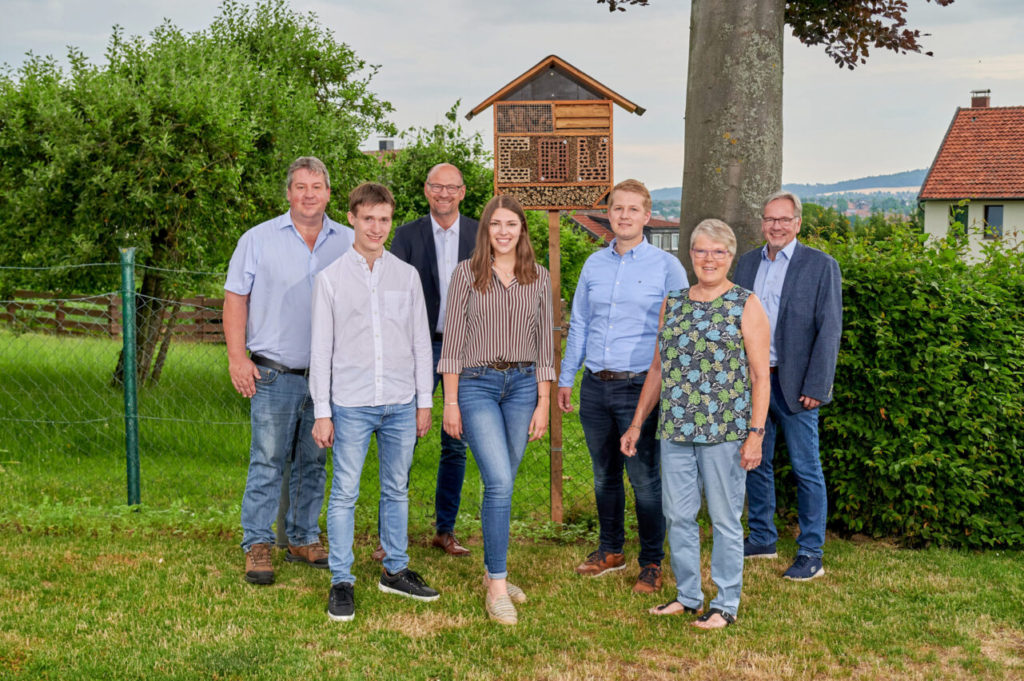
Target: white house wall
(936, 221)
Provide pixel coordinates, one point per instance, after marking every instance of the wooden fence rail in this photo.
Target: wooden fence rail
(198, 319)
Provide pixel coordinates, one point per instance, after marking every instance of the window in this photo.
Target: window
(656, 239)
(993, 222)
(675, 243)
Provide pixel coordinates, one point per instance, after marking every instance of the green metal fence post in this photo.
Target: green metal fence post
(131, 401)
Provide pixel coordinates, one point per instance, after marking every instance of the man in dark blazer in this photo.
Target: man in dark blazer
(801, 290)
(434, 244)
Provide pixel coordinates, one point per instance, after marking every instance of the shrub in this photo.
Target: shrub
(923, 439)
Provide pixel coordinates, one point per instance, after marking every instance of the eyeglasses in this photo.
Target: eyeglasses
(438, 188)
(717, 254)
(782, 222)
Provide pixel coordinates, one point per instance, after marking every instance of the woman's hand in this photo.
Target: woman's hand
(451, 420)
(539, 422)
(627, 444)
(750, 452)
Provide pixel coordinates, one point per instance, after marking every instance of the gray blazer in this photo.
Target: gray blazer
(809, 325)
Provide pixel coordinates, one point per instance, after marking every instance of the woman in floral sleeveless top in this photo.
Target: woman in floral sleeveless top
(710, 380)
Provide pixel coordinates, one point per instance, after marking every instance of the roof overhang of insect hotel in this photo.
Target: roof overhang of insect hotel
(553, 137)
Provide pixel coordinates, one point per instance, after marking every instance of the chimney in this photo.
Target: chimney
(386, 145)
(980, 99)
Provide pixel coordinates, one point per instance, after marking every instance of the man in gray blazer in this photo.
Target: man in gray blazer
(801, 290)
(434, 244)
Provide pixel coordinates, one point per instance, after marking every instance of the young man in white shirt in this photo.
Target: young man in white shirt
(371, 369)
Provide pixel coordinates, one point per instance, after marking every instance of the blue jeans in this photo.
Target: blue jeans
(281, 414)
(606, 410)
(451, 469)
(684, 466)
(801, 433)
(395, 426)
(496, 410)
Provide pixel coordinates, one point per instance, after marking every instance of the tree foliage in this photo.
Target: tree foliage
(847, 29)
(422, 148)
(174, 146)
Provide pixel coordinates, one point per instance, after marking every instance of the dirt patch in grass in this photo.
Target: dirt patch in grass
(1004, 647)
(421, 625)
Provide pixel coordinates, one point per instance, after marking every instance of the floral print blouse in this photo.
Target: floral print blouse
(705, 389)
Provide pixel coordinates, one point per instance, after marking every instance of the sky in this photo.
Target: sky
(886, 116)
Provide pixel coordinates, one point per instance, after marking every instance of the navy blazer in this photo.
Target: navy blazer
(414, 243)
(809, 325)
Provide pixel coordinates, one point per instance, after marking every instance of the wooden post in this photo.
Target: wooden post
(555, 437)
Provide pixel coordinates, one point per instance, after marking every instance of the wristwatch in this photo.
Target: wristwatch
(757, 431)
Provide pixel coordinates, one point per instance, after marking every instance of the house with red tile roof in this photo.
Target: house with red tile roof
(977, 178)
(662, 233)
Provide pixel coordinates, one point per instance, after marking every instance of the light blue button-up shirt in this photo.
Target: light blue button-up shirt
(771, 274)
(615, 309)
(274, 267)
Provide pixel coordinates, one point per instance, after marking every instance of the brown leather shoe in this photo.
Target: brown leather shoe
(447, 542)
(310, 554)
(599, 563)
(258, 568)
(649, 581)
(379, 554)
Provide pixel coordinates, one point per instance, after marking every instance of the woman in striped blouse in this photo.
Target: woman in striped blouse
(497, 361)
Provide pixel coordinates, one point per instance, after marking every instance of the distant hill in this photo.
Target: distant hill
(908, 178)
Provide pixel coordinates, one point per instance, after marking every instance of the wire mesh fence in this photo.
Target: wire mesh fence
(62, 413)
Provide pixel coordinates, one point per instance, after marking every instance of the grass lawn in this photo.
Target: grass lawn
(92, 589)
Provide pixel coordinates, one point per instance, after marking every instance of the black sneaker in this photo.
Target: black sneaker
(341, 603)
(407, 583)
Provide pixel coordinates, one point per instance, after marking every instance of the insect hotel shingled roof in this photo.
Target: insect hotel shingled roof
(553, 136)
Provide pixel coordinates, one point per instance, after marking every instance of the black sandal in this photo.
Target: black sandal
(687, 610)
(729, 618)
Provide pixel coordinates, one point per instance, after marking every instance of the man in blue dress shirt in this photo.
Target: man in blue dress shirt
(613, 332)
(267, 309)
(802, 292)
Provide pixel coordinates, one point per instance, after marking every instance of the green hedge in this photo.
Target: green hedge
(923, 438)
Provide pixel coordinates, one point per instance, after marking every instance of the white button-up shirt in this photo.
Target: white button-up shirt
(446, 245)
(371, 339)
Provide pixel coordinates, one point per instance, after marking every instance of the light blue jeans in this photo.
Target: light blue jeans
(281, 416)
(496, 409)
(683, 466)
(395, 426)
(801, 432)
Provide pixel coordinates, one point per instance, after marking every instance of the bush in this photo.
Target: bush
(923, 439)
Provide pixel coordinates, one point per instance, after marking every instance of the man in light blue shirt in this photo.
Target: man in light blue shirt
(267, 306)
(613, 333)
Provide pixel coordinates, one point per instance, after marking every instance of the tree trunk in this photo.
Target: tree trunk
(733, 139)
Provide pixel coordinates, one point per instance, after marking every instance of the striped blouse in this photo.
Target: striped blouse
(502, 325)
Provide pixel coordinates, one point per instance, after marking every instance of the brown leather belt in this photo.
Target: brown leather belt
(505, 366)
(606, 375)
(773, 370)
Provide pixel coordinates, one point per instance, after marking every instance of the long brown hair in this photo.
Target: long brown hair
(480, 261)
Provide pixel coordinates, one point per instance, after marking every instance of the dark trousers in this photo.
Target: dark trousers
(606, 410)
(451, 469)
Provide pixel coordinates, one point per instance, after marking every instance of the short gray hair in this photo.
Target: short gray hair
(310, 163)
(798, 208)
(717, 231)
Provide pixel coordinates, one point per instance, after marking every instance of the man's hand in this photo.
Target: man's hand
(565, 399)
(809, 402)
(422, 421)
(323, 433)
(243, 376)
